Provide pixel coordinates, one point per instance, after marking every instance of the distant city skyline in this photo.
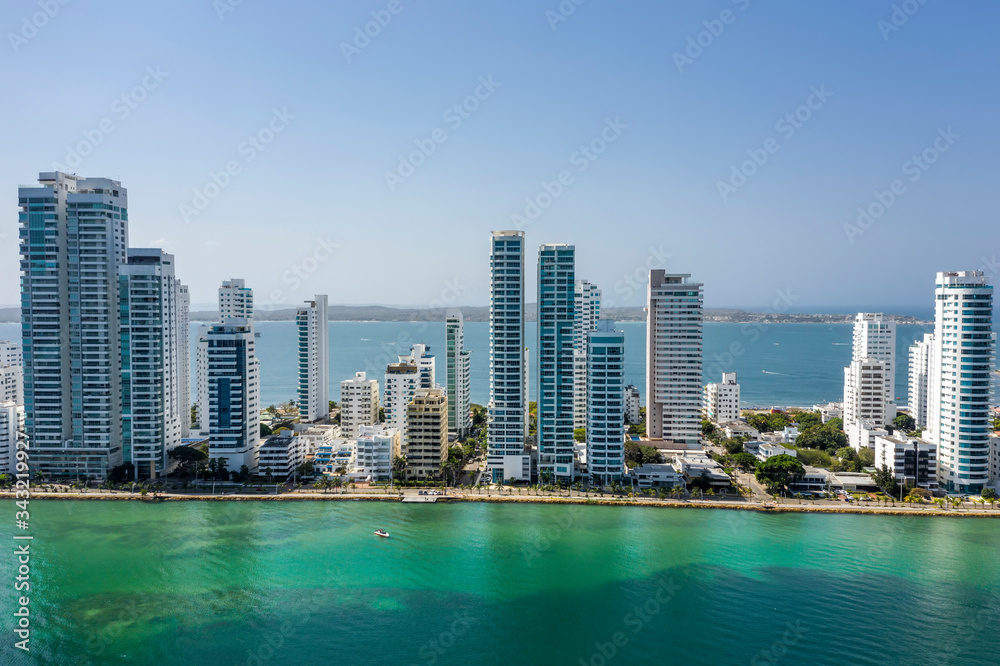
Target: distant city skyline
(648, 136)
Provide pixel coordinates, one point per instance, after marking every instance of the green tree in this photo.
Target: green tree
(779, 470)
(707, 428)
(866, 457)
(989, 493)
(733, 445)
(886, 480)
(745, 461)
(904, 422)
(399, 468)
(821, 437)
(836, 423)
(265, 430)
(580, 435)
(806, 419)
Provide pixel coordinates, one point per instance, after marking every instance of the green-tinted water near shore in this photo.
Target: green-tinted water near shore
(309, 583)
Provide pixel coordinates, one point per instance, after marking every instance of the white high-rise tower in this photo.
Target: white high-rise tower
(870, 379)
(919, 369)
(507, 428)
(74, 238)
(586, 312)
(457, 360)
(674, 348)
(313, 325)
(959, 386)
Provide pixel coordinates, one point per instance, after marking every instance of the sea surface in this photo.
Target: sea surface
(776, 364)
(302, 583)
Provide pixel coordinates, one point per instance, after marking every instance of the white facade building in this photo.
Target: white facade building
(507, 428)
(959, 386)
(281, 455)
(153, 337)
(11, 420)
(184, 357)
(632, 404)
(605, 409)
(586, 312)
(722, 400)
(12, 384)
(10, 353)
(767, 450)
(911, 460)
(74, 237)
(233, 394)
(235, 300)
(377, 447)
(919, 370)
(458, 369)
(674, 348)
(359, 403)
(402, 380)
(313, 323)
(870, 379)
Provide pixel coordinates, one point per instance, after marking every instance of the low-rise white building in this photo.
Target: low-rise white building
(281, 455)
(813, 480)
(377, 446)
(770, 449)
(863, 434)
(335, 456)
(314, 435)
(696, 464)
(722, 400)
(739, 429)
(831, 410)
(632, 404)
(913, 461)
(657, 475)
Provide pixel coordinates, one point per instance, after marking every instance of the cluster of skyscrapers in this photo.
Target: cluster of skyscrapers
(950, 382)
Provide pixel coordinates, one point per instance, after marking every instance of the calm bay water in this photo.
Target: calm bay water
(308, 583)
(782, 364)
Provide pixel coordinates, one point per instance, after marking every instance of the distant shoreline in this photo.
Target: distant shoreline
(592, 501)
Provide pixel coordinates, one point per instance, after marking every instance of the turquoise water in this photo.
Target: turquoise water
(780, 364)
(308, 583)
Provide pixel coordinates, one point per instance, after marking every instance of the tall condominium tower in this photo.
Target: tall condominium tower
(153, 335)
(507, 429)
(869, 381)
(359, 404)
(235, 300)
(556, 342)
(402, 380)
(184, 358)
(586, 312)
(313, 325)
(959, 387)
(457, 360)
(426, 442)
(919, 369)
(74, 237)
(674, 348)
(605, 403)
(233, 394)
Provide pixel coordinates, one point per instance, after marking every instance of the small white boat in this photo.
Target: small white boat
(382, 533)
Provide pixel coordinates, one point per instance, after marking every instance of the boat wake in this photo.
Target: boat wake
(768, 372)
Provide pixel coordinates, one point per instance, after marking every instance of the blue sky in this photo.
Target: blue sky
(309, 209)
